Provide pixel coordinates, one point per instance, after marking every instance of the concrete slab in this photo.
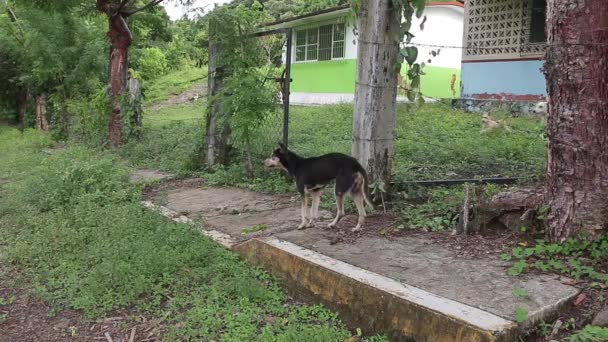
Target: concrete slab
(372, 302)
(147, 175)
(406, 287)
(239, 213)
(415, 260)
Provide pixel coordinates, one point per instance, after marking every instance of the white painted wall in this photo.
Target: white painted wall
(444, 26)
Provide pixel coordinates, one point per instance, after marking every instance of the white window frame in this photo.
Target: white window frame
(306, 44)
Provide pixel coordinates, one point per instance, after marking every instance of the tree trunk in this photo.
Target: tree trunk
(376, 90)
(577, 84)
(135, 107)
(41, 120)
(218, 130)
(120, 40)
(22, 97)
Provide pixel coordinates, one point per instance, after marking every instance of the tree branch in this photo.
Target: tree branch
(13, 17)
(148, 5)
(122, 5)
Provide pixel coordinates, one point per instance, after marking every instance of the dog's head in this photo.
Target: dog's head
(278, 159)
(540, 108)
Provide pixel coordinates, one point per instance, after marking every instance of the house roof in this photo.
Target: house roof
(334, 12)
(450, 3)
(327, 13)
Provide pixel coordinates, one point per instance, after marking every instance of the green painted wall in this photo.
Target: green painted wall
(324, 77)
(339, 77)
(436, 82)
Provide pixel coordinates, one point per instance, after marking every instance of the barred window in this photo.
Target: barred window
(537, 21)
(320, 43)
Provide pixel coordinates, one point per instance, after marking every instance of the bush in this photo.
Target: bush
(150, 63)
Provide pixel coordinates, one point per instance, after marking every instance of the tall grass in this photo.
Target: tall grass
(73, 223)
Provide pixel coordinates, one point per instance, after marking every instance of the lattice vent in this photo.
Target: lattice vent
(498, 29)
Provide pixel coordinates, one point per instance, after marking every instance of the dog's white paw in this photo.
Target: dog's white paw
(331, 226)
(310, 224)
(302, 226)
(356, 229)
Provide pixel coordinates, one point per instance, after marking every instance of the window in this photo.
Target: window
(320, 43)
(537, 22)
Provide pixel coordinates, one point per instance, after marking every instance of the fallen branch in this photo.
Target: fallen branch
(132, 338)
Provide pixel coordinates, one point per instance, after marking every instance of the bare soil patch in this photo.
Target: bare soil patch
(25, 318)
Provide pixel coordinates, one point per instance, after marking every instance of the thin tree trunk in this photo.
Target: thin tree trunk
(577, 83)
(41, 120)
(376, 90)
(22, 97)
(218, 130)
(135, 106)
(120, 40)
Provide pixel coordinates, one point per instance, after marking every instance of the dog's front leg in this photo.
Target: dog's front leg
(304, 210)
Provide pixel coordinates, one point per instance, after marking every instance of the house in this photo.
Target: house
(324, 53)
(504, 45)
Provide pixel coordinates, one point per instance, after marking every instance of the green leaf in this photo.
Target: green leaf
(419, 5)
(518, 268)
(410, 53)
(521, 315)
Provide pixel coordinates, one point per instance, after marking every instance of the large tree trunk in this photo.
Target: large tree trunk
(120, 40)
(22, 97)
(218, 131)
(41, 120)
(577, 83)
(376, 90)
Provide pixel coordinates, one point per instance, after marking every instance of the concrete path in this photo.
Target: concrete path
(434, 294)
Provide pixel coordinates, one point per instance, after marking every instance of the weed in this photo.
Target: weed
(519, 292)
(576, 257)
(589, 334)
(544, 328)
(521, 314)
(254, 229)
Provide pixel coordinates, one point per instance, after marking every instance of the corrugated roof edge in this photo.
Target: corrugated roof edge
(312, 14)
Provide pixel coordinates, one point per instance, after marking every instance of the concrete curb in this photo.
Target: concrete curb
(374, 303)
(364, 299)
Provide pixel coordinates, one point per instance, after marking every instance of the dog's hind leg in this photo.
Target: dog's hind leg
(304, 210)
(358, 193)
(339, 210)
(314, 209)
(360, 203)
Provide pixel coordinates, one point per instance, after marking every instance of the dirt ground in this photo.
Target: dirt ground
(23, 318)
(197, 91)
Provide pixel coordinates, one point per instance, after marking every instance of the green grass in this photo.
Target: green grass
(172, 139)
(434, 141)
(73, 223)
(173, 83)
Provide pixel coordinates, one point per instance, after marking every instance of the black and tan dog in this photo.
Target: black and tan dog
(313, 174)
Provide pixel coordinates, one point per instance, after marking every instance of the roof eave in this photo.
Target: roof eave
(298, 21)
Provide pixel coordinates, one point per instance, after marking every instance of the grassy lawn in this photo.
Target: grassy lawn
(174, 83)
(72, 222)
(433, 141)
